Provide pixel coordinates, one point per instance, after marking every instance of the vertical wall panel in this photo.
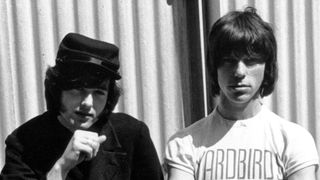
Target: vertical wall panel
(170, 81)
(127, 16)
(150, 42)
(6, 109)
(315, 44)
(65, 17)
(85, 14)
(24, 50)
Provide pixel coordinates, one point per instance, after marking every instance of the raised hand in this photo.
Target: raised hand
(84, 145)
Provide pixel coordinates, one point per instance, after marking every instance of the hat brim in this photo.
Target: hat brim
(94, 61)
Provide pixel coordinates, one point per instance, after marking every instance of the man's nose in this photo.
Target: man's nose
(240, 70)
(87, 101)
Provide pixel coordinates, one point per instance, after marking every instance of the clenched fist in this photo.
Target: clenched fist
(84, 145)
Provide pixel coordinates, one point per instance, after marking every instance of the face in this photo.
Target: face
(81, 107)
(240, 79)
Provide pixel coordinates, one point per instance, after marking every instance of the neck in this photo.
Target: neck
(237, 111)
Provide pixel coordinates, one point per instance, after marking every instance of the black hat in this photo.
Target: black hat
(76, 48)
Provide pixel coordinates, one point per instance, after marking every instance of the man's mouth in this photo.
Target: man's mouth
(239, 86)
(83, 114)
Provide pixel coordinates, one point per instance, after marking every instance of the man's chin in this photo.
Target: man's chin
(240, 99)
(85, 124)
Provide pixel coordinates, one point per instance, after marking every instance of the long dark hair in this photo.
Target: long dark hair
(73, 75)
(243, 33)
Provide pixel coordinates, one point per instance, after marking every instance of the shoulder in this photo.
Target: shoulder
(34, 126)
(38, 134)
(297, 144)
(127, 126)
(39, 141)
(125, 121)
(183, 148)
(286, 127)
(193, 135)
(195, 129)
(294, 137)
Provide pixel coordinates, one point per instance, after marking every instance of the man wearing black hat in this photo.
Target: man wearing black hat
(79, 137)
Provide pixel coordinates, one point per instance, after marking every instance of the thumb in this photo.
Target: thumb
(102, 138)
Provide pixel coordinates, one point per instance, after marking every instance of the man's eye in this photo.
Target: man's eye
(253, 61)
(74, 92)
(100, 92)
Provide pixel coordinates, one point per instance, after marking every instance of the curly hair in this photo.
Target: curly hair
(242, 33)
(62, 77)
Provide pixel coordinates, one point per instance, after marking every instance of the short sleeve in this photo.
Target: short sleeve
(179, 154)
(300, 151)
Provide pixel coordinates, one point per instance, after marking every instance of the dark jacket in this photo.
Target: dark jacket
(127, 154)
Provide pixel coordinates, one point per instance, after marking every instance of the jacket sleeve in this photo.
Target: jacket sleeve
(15, 168)
(146, 164)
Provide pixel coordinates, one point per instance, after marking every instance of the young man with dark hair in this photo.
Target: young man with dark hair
(241, 138)
(79, 137)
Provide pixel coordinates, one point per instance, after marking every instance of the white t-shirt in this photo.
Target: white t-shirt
(263, 147)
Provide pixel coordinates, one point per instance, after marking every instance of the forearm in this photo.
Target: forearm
(57, 172)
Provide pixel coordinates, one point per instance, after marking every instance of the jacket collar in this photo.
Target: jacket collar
(112, 142)
(105, 127)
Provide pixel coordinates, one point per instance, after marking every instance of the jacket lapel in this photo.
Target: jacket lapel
(111, 158)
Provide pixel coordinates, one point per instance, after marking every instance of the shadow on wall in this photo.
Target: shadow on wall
(187, 34)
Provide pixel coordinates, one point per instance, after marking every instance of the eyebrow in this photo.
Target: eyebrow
(104, 85)
(101, 87)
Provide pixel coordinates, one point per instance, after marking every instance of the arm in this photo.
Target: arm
(305, 173)
(301, 156)
(146, 163)
(177, 174)
(15, 167)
